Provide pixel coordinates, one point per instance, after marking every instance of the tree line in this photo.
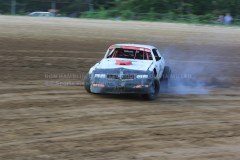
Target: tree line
(191, 10)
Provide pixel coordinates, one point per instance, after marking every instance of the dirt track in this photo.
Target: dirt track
(46, 114)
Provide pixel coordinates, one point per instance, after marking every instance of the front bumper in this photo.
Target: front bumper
(120, 86)
(118, 89)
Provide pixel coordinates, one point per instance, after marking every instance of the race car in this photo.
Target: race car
(129, 69)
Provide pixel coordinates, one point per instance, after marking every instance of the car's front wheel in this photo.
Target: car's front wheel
(154, 90)
(87, 83)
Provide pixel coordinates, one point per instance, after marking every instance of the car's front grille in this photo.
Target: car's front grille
(128, 76)
(112, 76)
(124, 77)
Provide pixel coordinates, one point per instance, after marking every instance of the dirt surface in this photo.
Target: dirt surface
(46, 114)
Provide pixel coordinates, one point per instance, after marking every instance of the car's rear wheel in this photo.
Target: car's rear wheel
(154, 91)
(165, 78)
(87, 83)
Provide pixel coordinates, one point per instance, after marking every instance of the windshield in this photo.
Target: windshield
(129, 54)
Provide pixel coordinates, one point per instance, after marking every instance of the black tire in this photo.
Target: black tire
(156, 87)
(87, 83)
(165, 78)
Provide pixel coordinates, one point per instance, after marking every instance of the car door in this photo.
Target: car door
(159, 62)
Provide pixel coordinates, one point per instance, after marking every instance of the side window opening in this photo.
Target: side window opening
(155, 53)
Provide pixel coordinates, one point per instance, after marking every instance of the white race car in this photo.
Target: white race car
(129, 69)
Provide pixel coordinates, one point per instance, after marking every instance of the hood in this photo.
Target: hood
(111, 63)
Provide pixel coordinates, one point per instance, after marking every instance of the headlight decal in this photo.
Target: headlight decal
(142, 76)
(100, 75)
